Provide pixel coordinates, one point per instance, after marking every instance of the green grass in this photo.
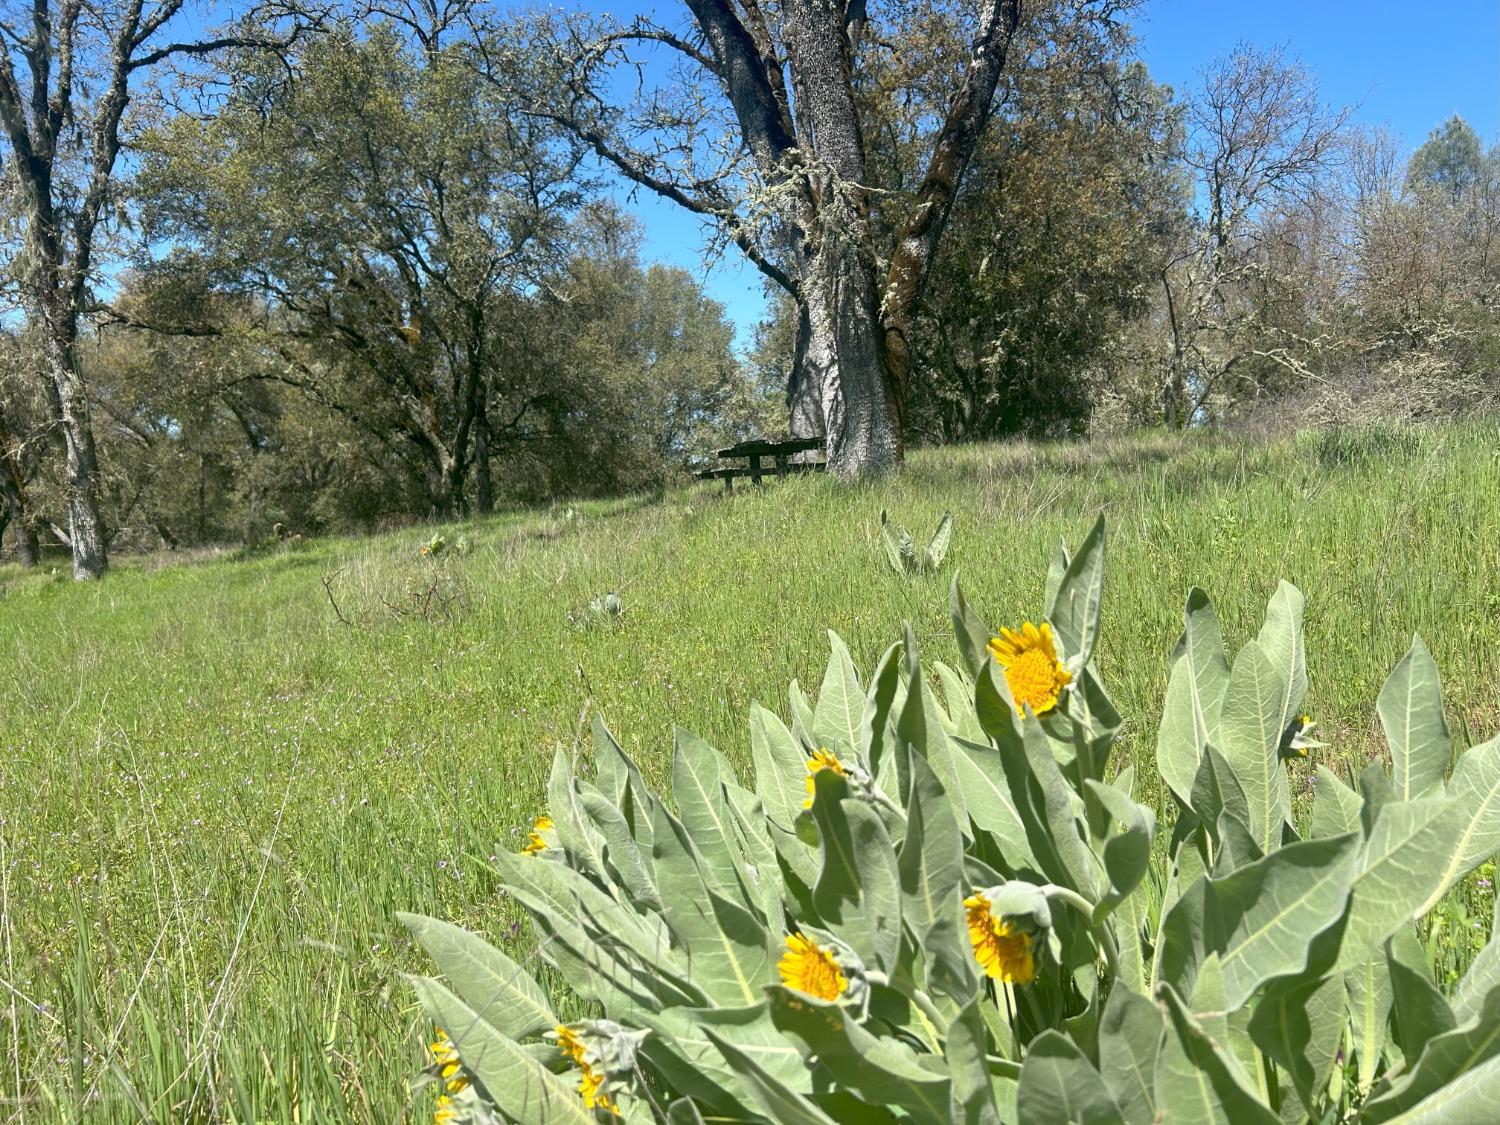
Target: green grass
(216, 794)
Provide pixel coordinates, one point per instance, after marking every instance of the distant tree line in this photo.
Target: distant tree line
(332, 268)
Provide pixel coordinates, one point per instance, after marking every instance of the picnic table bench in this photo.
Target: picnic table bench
(779, 452)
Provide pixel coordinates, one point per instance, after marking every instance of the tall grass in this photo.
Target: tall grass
(220, 779)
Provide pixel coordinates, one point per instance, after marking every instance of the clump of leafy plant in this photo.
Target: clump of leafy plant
(602, 610)
(905, 556)
(942, 902)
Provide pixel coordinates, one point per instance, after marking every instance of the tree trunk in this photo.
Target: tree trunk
(803, 392)
(844, 356)
(81, 466)
(484, 483)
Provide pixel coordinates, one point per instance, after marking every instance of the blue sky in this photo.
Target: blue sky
(1409, 67)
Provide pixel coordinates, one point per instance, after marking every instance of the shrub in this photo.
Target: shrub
(940, 903)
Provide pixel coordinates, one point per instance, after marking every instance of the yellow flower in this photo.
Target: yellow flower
(449, 1066)
(1003, 951)
(808, 967)
(590, 1090)
(591, 1082)
(445, 1111)
(535, 842)
(821, 760)
(1035, 675)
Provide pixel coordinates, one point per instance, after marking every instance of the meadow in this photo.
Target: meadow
(220, 777)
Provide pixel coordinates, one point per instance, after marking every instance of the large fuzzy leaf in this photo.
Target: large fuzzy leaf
(1196, 1078)
(840, 707)
(879, 1070)
(1059, 1086)
(1446, 1059)
(1129, 1038)
(726, 946)
(519, 1086)
(1475, 792)
(931, 868)
(785, 1105)
(1260, 920)
(780, 766)
(500, 992)
(1411, 711)
(1394, 872)
(1074, 609)
(1251, 730)
(969, 628)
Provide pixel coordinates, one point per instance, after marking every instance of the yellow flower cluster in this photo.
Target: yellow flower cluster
(808, 967)
(450, 1071)
(1003, 951)
(591, 1081)
(821, 760)
(535, 842)
(1035, 675)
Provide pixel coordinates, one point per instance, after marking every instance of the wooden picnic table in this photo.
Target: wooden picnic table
(757, 451)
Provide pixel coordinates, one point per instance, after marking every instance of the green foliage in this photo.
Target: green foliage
(950, 908)
(904, 555)
(224, 811)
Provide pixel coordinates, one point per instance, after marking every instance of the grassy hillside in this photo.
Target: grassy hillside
(220, 778)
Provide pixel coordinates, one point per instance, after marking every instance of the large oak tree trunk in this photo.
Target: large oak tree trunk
(81, 461)
(845, 356)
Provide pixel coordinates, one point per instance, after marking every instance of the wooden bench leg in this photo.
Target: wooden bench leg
(755, 468)
(728, 484)
(781, 464)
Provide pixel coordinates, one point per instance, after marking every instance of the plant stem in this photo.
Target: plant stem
(1101, 932)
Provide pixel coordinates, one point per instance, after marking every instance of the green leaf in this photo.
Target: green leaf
(937, 549)
(1127, 852)
(892, 547)
(879, 883)
(1482, 978)
(965, 1051)
(723, 942)
(1251, 732)
(1419, 1011)
(879, 1070)
(501, 993)
(858, 893)
(785, 1105)
(1196, 1078)
(1060, 1087)
(1336, 807)
(931, 869)
(519, 1086)
(621, 781)
(780, 766)
(958, 695)
(1411, 711)
(839, 711)
(1216, 791)
(1368, 991)
(1280, 637)
(1262, 919)
(576, 835)
(1299, 1022)
(1129, 1039)
(877, 724)
(622, 856)
(1195, 696)
(698, 775)
(683, 1047)
(1475, 792)
(989, 801)
(969, 629)
(921, 728)
(1447, 1058)
(1074, 610)
(1394, 872)
(1470, 1100)
(802, 715)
